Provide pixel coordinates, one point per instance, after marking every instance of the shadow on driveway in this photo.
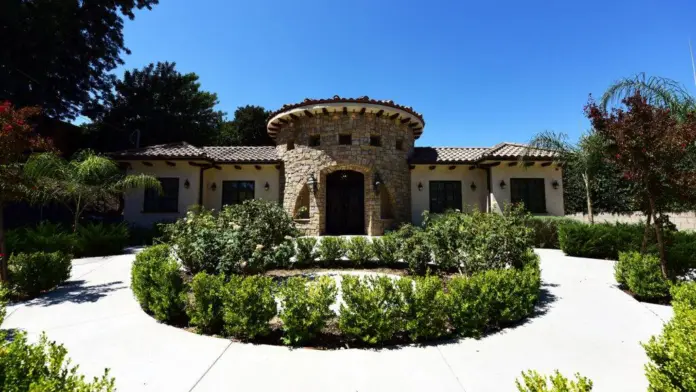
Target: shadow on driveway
(77, 292)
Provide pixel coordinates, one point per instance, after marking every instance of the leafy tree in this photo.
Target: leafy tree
(161, 103)
(651, 147)
(585, 157)
(61, 52)
(82, 182)
(248, 128)
(16, 139)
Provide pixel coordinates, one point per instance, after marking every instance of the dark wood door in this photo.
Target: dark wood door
(345, 203)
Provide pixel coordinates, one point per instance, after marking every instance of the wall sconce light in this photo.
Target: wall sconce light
(213, 187)
(266, 187)
(420, 186)
(187, 184)
(473, 187)
(502, 184)
(312, 182)
(554, 184)
(377, 182)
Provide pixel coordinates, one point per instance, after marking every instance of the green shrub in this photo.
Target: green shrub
(43, 366)
(157, 284)
(532, 381)
(425, 307)
(372, 309)
(415, 251)
(99, 239)
(494, 298)
(545, 230)
(672, 366)
(45, 237)
(359, 250)
(4, 295)
(601, 240)
(196, 238)
(248, 306)
(305, 307)
(204, 306)
(642, 275)
(331, 249)
(445, 239)
(306, 253)
(33, 273)
(146, 235)
(681, 252)
(386, 249)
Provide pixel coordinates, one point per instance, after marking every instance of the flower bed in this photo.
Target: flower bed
(261, 285)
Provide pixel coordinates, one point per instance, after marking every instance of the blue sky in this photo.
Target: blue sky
(480, 72)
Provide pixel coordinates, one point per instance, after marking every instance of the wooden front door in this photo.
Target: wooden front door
(345, 203)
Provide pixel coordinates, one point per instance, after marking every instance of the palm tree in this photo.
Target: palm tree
(585, 156)
(656, 90)
(81, 182)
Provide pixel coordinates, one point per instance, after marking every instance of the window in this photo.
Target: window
(399, 144)
(167, 201)
(345, 139)
(445, 195)
(291, 145)
(314, 140)
(235, 192)
(530, 192)
(375, 141)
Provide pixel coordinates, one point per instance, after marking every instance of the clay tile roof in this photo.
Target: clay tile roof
(261, 154)
(180, 150)
(425, 155)
(515, 150)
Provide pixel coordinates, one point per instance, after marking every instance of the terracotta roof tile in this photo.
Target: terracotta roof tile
(260, 154)
(181, 150)
(424, 155)
(515, 150)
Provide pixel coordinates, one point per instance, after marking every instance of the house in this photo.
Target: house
(344, 166)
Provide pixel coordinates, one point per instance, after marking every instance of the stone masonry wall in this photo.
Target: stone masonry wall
(303, 160)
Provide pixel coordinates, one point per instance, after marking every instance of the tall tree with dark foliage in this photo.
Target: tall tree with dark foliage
(248, 128)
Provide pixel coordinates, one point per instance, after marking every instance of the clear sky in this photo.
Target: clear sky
(480, 72)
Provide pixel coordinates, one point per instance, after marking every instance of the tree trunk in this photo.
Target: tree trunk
(590, 215)
(660, 243)
(3, 251)
(646, 233)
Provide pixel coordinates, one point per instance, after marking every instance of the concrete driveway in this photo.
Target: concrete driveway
(585, 324)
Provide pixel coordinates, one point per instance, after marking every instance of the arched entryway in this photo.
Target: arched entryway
(345, 203)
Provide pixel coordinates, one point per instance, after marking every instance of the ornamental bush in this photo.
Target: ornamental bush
(372, 309)
(545, 230)
(43, 366)
(30, 274)
(45, 237)
(248, 306)
(306, 253)
(386, 249)
(445, 238)
(642, 275)
(157, 284)
(425, 307)
(204, 305)
(415, 250)
(196, 238)
(99, 239)
(601, 240)
(359, 250)
(532, 381)
(494, 298)
(305, 307)
(672, 366)
(331, 249)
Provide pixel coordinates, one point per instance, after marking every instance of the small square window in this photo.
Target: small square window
(291, 145)
(376, 141)
(346, 139)
(399, 144)
(314, 140)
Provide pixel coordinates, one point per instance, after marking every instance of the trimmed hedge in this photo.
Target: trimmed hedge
(157, 283)
(30, 274)
(248, 306)
(601, 240)
(672, 366)
(204, 306)
(642, 275)
(545, 229)
(305, 307)
(332, 249)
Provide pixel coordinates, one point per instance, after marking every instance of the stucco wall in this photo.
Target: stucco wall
(420, 200)
(499, 196)
(265, 174)
(133, 205)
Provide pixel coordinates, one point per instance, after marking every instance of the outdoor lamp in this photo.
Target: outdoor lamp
(554, 184)
(187, 184)
(420, 186)
(502, 184)
(266, 186)
(377, 182)
(312, 182)
(213, 187)
(473, 187)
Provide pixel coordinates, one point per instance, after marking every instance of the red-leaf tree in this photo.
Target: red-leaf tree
(17, 139)
(651, 147)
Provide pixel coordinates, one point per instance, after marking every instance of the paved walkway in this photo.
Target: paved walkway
(586, 326)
